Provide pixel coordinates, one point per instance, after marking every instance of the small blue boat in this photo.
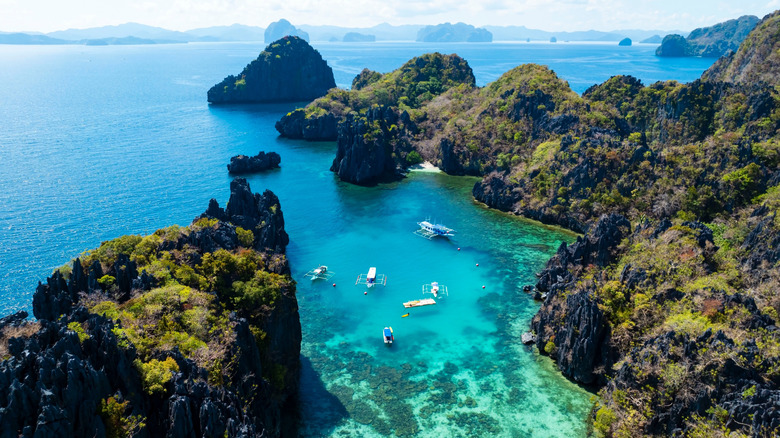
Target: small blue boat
(387, 333)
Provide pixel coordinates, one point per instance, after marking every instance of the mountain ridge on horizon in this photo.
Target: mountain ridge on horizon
(383, 32)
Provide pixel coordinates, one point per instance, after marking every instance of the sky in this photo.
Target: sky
(551, 15)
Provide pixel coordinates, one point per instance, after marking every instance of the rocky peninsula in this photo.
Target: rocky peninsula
(668, 303)
(288, 70)
(241, 164)
(190, 331)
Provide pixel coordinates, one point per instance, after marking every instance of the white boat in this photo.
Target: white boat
(320, 272)
(372, 278)
(430, 230)
(435, 289)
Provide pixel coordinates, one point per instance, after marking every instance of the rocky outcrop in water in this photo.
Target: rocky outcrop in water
(79, 372)
(296, 124)
(260, 162)
(368, 145)
(288, 70)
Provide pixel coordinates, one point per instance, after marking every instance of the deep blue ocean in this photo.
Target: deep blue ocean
(98, 142)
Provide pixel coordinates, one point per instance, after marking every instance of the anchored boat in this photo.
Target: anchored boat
(435, 289)
(430, 230)
(320, 272)
(371, 278)
(387, 334)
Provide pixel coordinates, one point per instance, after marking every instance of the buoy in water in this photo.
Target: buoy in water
(483, 286)
(404, 315)
(365, 293)
(334, 284)
(458, 249)
(477, 264)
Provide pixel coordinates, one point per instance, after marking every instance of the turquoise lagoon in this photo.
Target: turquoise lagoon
(103, 141)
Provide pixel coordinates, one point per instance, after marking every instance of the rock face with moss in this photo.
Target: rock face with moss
(757, 60)
(710, 42)
(186, 332)
(288, 70)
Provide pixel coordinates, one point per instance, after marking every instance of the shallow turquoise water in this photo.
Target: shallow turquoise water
(103, 141)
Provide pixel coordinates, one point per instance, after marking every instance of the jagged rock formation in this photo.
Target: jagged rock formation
(758, 60)
(366, 145)
(354, 37)
(260, 162)
(288, 70)
(574, 324)
(710, 42)
(99, 360)
(454, 33)
(282, 28)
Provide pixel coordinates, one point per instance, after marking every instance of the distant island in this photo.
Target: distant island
(709, 42)
(280, 29)
(454, 33)
(288, 70)
(354, 37)
(655, 39)
(625, 42)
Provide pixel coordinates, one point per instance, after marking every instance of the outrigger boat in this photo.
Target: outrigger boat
(435, 289)
(320, 272)
(371, 278)
(387, 334)
(430, 230)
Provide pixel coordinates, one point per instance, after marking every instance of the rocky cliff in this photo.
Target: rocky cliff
(187, 332)
(758, 60)
(260, 162)
(710, 42)
(372, 148)
(288, 70)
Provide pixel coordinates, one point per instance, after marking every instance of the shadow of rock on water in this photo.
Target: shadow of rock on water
(326, 409)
